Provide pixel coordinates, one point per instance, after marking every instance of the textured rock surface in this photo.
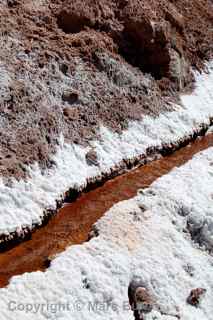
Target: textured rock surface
(140, 299)
(195, 296)
(67, 67)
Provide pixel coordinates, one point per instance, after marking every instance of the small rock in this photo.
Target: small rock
(140, 300)
(93, 233)
(47, 261)
(195, 296)
(71, 113)
(92, 158)
(143, 300)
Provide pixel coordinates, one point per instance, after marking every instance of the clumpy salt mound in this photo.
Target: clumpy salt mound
(146, 237)
(183, 198)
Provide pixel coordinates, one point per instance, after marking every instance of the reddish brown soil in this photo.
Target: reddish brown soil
(74, 222)
(69, 66)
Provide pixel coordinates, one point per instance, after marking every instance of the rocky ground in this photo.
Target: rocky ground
(69, 66)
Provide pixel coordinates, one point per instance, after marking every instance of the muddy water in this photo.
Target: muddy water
(73, 222)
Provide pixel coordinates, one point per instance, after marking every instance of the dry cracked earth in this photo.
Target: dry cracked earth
(70, 66)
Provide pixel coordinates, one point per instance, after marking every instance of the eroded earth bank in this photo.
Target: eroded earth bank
(89, 89)
(68, 67)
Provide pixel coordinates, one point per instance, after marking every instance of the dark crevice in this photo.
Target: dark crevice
(138, 43)
(144, 44)
(153, 59)
(70, 22)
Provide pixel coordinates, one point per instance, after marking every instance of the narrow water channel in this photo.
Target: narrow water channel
(72, 224)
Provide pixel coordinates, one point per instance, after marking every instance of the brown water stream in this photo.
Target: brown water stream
(73, 222)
